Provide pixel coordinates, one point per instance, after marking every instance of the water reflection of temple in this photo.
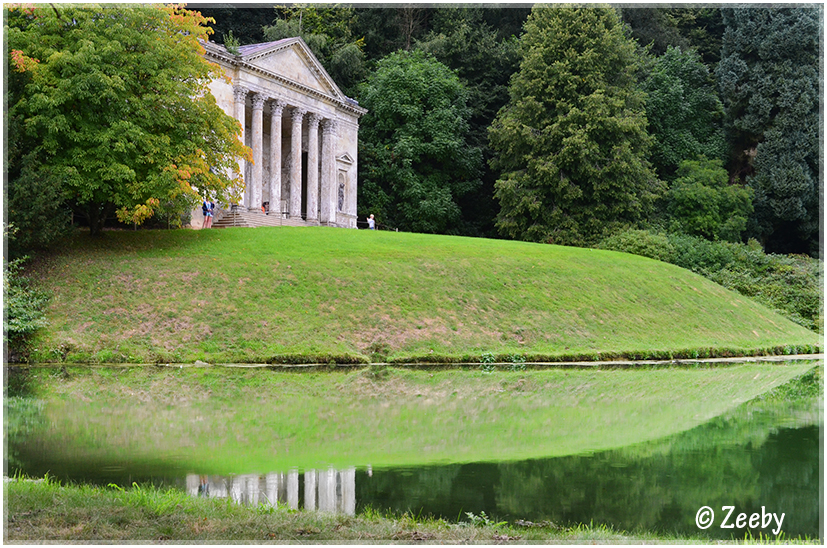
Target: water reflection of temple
(324, 490)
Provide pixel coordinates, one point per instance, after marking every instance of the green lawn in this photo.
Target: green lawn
(42, 511)
(319, 294)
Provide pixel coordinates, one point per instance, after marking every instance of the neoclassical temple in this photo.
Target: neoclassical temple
(302, 130)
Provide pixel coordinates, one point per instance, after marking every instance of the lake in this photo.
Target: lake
(761, 457)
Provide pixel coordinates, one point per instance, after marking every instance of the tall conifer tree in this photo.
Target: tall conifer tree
(572, 143)
(770, 86)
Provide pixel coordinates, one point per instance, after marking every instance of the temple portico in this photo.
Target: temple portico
(301, 129)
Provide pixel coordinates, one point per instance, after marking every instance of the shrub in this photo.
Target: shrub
(703, 203)
(641, 242)
(23, 306)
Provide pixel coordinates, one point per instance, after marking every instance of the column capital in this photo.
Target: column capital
(258, 101)
(240, 92)
(277, 106)
(298, 114)
(313, 119)
(329, 126)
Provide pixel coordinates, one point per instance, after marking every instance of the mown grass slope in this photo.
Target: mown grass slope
(307, 294)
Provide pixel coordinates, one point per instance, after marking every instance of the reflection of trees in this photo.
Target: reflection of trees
(324, 490)
(427, 488)
(664, 492)
(789, 467)
(21, 418)
(742, 459)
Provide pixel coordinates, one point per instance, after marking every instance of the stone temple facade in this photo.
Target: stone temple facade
(302, 130)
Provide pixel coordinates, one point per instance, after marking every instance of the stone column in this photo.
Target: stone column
(258, 153)
(329, 183)
(296, 165)
(276, 108)
(327, 490)
(193, 482)
(271, 489)
(252, 490)
(240, 98)
(349, 491)
(313, 167)
(236, 488)
(310, 490)
(293, 489)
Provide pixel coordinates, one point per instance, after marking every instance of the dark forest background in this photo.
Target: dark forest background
(730, 100)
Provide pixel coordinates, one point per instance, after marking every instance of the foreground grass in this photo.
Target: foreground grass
(259, 420)
(273, 295)
(45, 510)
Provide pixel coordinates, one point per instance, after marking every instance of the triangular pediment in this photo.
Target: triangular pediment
(291, 59)
(345, 159)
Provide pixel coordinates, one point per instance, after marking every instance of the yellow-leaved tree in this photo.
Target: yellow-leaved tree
(110, 113)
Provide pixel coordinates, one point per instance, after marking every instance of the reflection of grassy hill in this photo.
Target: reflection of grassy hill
(252, 420)
(303, 294)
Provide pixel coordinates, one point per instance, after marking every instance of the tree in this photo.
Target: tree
(653, 28)
(703, 28)
(769, 77)
(703, 203)
(246, 24)
(415, 160)
(114, 109)
(35, 211)
(388, 29)
(684, 112)
(572, 142)
(484, 60)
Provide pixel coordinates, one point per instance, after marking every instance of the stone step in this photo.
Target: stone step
(252, 219)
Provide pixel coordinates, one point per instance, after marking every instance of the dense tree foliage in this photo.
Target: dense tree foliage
(111, 107)
(572, 142)
(484, 60)
(654, 28)
(658, 28)
(389, 29)
(415, 160)
(35, 210)
(703, 28)
(246, 25)
(684, 112)
(701, 201)
(769, 76)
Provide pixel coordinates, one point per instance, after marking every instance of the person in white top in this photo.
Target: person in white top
(371, 222)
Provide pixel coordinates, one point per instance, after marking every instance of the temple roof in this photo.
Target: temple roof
(251, 49)
(281, 60)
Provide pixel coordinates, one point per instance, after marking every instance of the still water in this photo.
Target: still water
(759, 458)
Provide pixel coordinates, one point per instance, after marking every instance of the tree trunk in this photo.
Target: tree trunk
(97, 213)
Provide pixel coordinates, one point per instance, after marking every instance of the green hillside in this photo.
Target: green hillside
(320, 294)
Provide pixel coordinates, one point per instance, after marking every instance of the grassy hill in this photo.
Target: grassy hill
(319, 294)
